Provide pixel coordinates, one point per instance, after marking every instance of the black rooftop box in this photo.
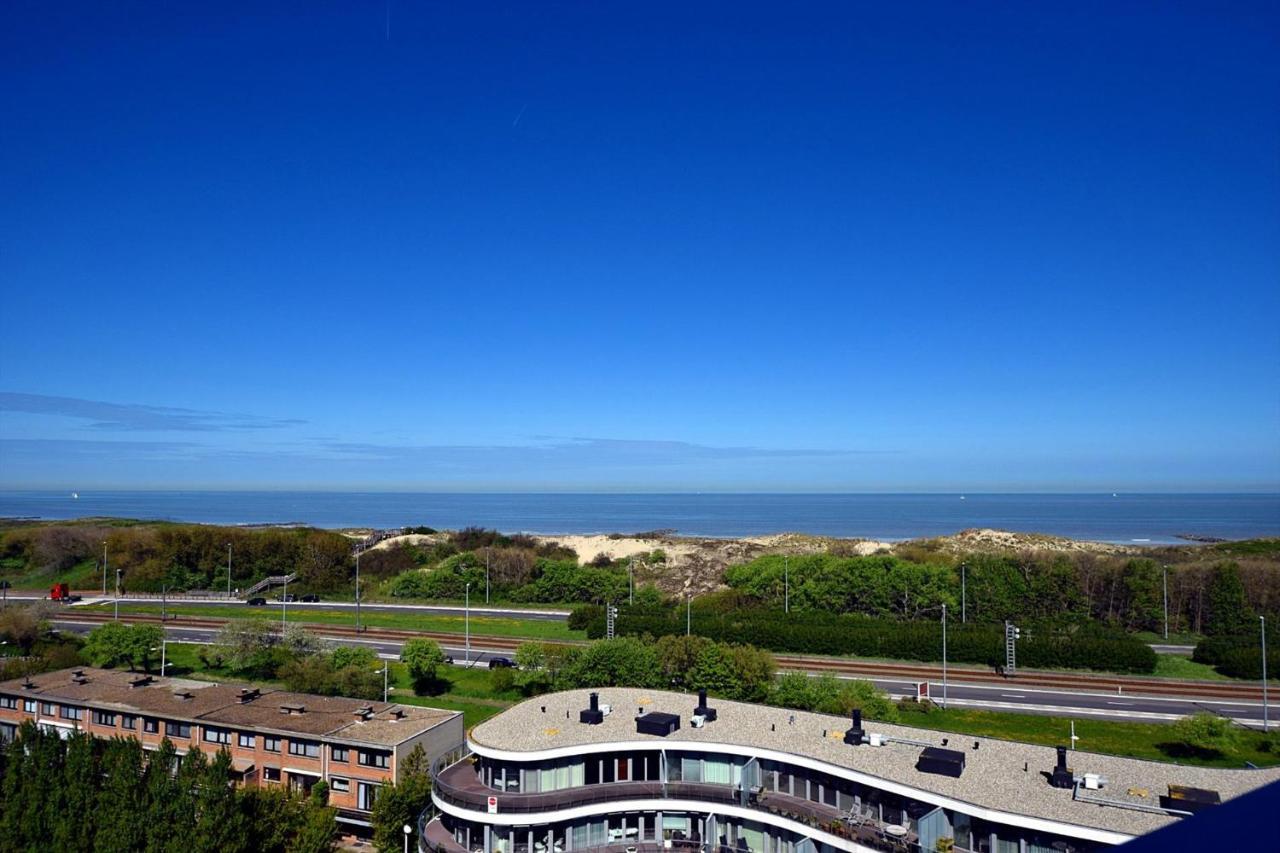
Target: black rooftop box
(1186, 799)
(592, 715)
(657, 723)
(944, 762)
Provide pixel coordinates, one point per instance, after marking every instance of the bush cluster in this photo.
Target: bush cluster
(1237, 656)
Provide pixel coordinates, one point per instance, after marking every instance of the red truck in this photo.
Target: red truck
(62, 592)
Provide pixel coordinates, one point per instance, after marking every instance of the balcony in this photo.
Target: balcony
(460, 786)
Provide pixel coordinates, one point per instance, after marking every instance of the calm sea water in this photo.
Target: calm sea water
(1120, 518)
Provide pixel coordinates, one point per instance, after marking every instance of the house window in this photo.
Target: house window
(337, 783)
(182, 730)
(339, 753)
(247, 741)
(270, 744)
(9, 703)
(29, 705)
(128, 721)
(373, 758)
(47, 709)
(271, 774)
(306, 748)
(150, 726)
(8, 731)
(102, 718)
(365, 795)
(216, 735)
(70, 713)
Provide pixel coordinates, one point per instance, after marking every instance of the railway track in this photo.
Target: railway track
(1120, 685)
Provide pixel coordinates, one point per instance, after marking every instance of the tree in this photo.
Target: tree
(119, 644)
(621, 662)
(401, 803)
(21, 626)
(121, 812)
(249, 646)
(162, 797)
(677, 656)
(1228, 607)
(220, 824)
(79, 794)
(1206, 732)
(423, 658)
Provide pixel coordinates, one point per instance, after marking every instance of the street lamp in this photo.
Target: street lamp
(786, 584)
(944, 656)
(1165, 576)
(408, 830)
(688, 613)
(284, 603)
(104, 569)
(631, 581)
(164, 644)
(357, 591)
(1266, 716)
(117, 595)
(467, 623)
(385, 692)
(487, 553)
(228, 571)
(964, 597)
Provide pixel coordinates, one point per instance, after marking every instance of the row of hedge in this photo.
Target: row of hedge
(1078, 645)
(1238, 656)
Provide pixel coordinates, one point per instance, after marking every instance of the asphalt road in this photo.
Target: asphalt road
(994, 697)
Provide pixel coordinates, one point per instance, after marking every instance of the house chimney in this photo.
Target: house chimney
(592, 715)
(702, 710)
(1061, 775)
(855, 734)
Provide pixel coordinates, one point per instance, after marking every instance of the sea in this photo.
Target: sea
(1119, 517)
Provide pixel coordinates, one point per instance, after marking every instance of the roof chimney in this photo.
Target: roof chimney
(184, 695)
(592, 715)
(1061, 775)
(708, 714)
(292, 709)
(139, 681)
(854, 735)
(248, 694)
(364, 712)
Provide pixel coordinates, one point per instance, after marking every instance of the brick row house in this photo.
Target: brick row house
(275, 737)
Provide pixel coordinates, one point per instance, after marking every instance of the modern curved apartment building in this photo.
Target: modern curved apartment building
(649, 769)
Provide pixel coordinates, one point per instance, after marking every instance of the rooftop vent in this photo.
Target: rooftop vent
(293, 709)
(657, 723)
(397, 713)
(364, 712)
(78, 677)
(28, 684)
(592, 715)
(708, 714)
(139, 681)
(183, 695)
(1187, 799)
(943, 762)
(1061, 775)
(248, 694)
(77, 673)
(855, 734)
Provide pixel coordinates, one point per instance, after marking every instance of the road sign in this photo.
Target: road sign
(922, 690)
(493, 805)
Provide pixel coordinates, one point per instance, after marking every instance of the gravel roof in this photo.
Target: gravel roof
(217, 704)
(1000, 775)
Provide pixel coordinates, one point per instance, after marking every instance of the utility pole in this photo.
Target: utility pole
(164, 603)
(786, 584)
(228, 571)
(1266, 715)
(688, 613)
(944, 656)
(104, 569)
(117, 595)
(487, 553)
(1011, 635)
(284, 603)
(467, 623)
(385, 692)
(631, 581)
(1166, 603)
(357, 591)
(964, 593)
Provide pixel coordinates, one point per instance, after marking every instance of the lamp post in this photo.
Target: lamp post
(964, 592)
(467, 623)
(1165, 583)
(284, 604)
(408, 830)
(786, 584)
(357, 591)
(487, 553)
(631, 581)
(688, 613)
(117, 595)
(104, 569)
(385, 691)
(944, 656)
(1266, 716)
(164, 644)
(228, 571)
(164, 603)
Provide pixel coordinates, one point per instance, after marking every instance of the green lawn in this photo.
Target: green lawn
(83, 575)
(1176, 638)
(1136, 740)
(493, 626)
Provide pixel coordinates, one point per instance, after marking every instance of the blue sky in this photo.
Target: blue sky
(846, 247)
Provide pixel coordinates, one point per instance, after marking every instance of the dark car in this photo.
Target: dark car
(259, 601)
(310, 598)
(287, 597)
(501, 663)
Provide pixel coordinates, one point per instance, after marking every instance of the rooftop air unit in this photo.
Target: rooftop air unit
(1061, 775)
(855, 734)
(943, 762)
(703, 710)
(657, 723)
(592, 715)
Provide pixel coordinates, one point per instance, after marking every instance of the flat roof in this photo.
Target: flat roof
(217, 704)
(999, 775)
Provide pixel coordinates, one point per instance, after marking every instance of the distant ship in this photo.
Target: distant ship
(75, 496)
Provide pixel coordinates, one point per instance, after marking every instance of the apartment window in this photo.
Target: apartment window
(271, 774)
(70, 713)
(47, 709)
(182, 730)
(305, 748)
(150, 726)
(8, 731)
(102, 718)
(29, 705)
(216, 735)
(9, 703)
(248, 741)
(339, 753)
(128, 721)
(270, 744)
(373, 758)
(337, 783)
(365, 795)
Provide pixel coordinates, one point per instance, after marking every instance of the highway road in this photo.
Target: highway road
(1007, 696)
